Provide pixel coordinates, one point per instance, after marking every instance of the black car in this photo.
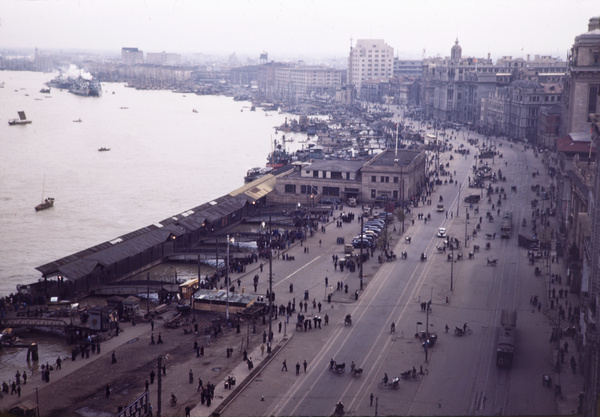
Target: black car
(472, 199)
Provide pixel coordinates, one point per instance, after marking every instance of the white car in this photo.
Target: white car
(441, 232)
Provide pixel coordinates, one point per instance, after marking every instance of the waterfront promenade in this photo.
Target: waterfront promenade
(81, 383)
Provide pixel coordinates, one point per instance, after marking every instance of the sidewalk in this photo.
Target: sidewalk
(243, 376)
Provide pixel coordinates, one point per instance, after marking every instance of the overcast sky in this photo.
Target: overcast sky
(298, 28)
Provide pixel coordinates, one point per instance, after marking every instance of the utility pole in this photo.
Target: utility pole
(159, 400)
(227, 282)
(270, 339)
(360, 273)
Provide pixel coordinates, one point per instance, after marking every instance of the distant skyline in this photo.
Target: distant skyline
(298, 29)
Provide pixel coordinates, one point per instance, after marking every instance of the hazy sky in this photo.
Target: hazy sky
(298, 28)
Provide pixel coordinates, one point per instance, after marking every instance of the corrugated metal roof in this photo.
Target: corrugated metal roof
(108, 253)
(77, 269)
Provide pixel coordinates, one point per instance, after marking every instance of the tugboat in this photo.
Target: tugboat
(279, 157)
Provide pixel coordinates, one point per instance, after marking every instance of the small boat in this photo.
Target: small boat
(46, 203)
(194, 111)
(45, 91)
(256, 173)
(103, 149)
(22, 120)
(77, 121)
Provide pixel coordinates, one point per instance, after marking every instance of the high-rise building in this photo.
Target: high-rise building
(370, 60)
(163, 58)
(132, 56)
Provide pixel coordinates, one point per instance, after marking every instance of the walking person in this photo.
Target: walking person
(305, 365)
(107, 390)
(297, 368)
(114, 358)
(284, 367)
(191, 374)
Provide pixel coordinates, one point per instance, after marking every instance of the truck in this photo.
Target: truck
(506, 226)
(505, 349)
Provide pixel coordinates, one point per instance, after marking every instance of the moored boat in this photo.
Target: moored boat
(103, 149)
(256, 173)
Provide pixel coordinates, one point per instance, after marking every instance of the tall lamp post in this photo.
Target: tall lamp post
(270, 338)
(227, 281)
(361, 251)
(451, 265)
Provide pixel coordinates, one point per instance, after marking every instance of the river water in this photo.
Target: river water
(164, 159)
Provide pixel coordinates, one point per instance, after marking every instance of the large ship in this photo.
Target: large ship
(61, 82)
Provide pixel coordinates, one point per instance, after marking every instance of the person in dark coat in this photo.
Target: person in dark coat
(114, 357)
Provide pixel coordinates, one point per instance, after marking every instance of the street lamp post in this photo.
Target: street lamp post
(451, 265)
(361, 251)
(270, 254)
(227, 281)
(270, 338)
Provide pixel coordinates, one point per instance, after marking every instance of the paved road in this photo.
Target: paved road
(460, 376)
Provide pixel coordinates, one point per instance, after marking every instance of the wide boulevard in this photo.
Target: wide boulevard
(458, 376)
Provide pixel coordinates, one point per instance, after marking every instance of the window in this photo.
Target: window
(290, 188)
(395, 180)
(373, 193)
(309, 189)
(315, 174)
(336, 175)
(331, 191)
(373, 178)
(382, 179)
(592, 100)
(395, 194)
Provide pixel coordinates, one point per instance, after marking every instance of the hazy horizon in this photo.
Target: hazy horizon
(298, 29)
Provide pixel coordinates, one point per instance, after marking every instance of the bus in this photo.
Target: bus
(505, 349)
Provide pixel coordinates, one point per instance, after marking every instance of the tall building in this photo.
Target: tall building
(163, 58)
(581, 102)
(132, 56)
(370, 60)
(582, 86)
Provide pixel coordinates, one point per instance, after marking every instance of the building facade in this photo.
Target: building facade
(582, 86)
(387, 176)
(132, 56)
(370, 59)
(163, 58)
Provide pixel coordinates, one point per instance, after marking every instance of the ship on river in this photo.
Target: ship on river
(86, 88)
(78, 86)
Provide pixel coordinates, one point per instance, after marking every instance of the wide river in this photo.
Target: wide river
(164, 159)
